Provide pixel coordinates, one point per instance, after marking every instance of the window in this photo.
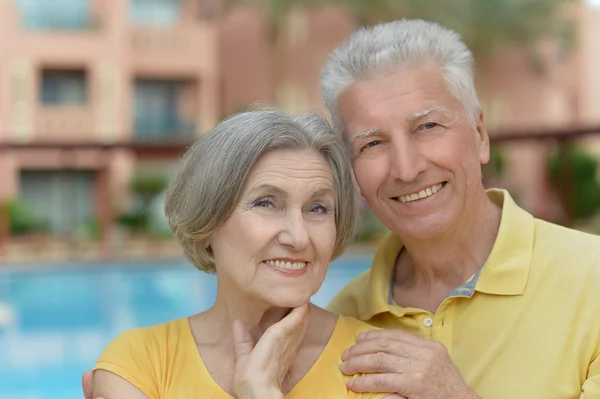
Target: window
(63, 87)
(158, 110)
(64, 199)
(57, 14)
(155, 12)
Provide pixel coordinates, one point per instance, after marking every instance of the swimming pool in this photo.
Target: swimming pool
(55, 321)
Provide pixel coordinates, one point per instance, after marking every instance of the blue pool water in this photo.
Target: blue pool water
(63, 317)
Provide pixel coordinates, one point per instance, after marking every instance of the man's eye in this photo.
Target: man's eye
(371, 144)
(430, 125)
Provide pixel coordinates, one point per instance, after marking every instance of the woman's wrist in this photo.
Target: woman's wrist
(260, 391)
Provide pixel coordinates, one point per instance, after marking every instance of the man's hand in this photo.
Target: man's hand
(411, 366)
(261, 367)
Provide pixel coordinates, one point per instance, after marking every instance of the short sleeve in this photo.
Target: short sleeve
(130, 355)
(591, 386)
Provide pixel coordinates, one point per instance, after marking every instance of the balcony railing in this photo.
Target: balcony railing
(164, 129)
(64, 123)
(160, 39)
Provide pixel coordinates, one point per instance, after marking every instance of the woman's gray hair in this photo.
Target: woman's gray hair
(389, 47)
(211, 180)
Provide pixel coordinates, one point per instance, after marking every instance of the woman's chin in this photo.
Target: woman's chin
(290, 301)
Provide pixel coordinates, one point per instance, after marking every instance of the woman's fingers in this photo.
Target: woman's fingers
(294, 324)
(242, 340)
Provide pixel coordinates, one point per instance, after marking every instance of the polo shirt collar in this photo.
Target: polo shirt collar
(505, 272)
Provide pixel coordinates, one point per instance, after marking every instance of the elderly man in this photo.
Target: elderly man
(490, 300)
(476, 297)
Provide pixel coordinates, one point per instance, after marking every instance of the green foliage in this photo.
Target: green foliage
(23, 218)
(370, 228)
(496, 166)
(89, 229)
(148, 185)
(147, 188)
(136, 222)
(573, 174)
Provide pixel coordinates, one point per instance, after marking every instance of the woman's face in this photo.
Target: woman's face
(276, 245)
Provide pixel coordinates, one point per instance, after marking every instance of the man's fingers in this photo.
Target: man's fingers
(377, 363)
(87, 382)
(393, 334)
(385, 383)
(242, 340)
(382, 344)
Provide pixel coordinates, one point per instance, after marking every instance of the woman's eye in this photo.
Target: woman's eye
(320, 209)
(264, 203)
(430, 125)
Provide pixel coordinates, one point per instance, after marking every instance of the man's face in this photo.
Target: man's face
(416, 155)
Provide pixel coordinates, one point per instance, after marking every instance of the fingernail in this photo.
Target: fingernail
(361, 336)
(345, 354)
(342, 367)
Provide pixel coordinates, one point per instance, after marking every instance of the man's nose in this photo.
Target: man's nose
(406, 160)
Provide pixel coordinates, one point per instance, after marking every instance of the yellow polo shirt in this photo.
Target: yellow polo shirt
(527, 325)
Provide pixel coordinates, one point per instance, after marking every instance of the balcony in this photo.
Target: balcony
(164, 109)
(164, 129)
(148, 40)
(60, 124)
(165, 34)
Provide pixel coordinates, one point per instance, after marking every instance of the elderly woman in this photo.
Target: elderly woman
(265, 201)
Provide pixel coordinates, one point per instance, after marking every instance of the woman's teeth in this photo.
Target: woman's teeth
(286, 265)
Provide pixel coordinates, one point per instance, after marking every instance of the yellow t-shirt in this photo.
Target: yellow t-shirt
(163, 362)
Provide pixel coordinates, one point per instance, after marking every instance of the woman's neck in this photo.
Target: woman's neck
(230, 305)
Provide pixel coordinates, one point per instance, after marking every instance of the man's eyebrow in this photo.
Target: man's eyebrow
(361, 134)
(425, 112)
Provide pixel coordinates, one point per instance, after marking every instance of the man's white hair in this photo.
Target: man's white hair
(389, 47)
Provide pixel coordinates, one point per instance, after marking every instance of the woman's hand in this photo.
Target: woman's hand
(261, 367)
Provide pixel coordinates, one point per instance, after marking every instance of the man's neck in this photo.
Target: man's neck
(447, 261)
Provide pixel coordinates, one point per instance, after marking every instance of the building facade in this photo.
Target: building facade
(86, 86)
(98, 72)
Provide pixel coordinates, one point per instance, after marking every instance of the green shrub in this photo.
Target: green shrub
(370, 228)
(23, 218)
(148, 185)
(495, 168)
(582, 181)
(134, 221)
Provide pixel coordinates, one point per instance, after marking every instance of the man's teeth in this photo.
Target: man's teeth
(287, 265)
(422, 194)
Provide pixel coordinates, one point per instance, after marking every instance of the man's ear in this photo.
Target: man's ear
(483, 140)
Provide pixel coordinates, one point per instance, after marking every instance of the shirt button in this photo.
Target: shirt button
(428, 322)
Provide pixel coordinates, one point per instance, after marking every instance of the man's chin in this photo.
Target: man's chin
(423, 229)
